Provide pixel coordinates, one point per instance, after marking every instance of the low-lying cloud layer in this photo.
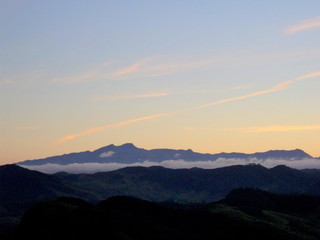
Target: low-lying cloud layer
(174, 164)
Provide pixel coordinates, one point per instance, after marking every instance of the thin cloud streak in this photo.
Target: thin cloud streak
(98, 129)
(278, 87)
(308, 76)
(303, 26)
(141, 68)
(170, 68)
(145, 68)
(125, 97)
(101, 98)
(100, 72)
(29, 128)
(277, 128)
(132, 69)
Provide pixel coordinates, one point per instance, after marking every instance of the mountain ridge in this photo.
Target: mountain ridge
(193, 185)
(128, 153)
(20, 188)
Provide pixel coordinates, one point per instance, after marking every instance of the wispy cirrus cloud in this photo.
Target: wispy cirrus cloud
(100, 72)
(308, 76)
(303, 26)
(134, 68)
(133, 96)
(154, 66)
(279, 87)
(276, 128)
(101, 98)
(101, 128)
(29, 127)
(170, 68)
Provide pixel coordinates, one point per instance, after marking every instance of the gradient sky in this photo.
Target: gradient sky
(213, 76)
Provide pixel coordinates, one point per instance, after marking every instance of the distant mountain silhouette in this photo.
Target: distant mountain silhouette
(128, 153)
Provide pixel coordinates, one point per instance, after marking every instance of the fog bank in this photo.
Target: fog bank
(174, 164)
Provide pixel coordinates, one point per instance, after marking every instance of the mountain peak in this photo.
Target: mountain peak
(11, 168)
(128, 145)
(296, 154)
(299, 151)
(115, 147)
(108, 147)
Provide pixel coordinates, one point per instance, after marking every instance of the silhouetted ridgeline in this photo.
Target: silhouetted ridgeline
(279, 217)
(22, 188)
(129, 153)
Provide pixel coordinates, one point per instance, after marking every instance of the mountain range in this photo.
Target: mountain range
(130, 155)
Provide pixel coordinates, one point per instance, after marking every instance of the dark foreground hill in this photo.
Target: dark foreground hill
(20, 188)
(193, 185)
(131, 218)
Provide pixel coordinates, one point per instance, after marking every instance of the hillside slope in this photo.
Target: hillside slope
(131, 218)
(192, 185)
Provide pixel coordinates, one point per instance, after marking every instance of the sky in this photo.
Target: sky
(211, 76)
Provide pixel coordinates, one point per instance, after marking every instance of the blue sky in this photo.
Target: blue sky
(208, 75)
